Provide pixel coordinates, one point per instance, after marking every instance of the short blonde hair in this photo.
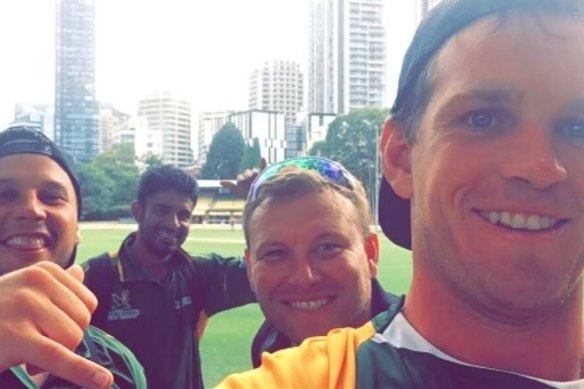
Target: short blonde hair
(292, 182)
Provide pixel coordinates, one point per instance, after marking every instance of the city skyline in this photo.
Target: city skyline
(203, 51)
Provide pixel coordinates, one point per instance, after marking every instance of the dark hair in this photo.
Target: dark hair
(448, 19)
(166, 177)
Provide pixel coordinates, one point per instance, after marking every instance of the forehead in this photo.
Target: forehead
(170, 198)
(33, 169)
(325, 208)
(527, 41)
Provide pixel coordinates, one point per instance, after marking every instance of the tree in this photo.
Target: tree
(119, 164)
(150, 160)
(96, 189)
(251, 156)
(109, 183)
(352, 140)
(225, 154)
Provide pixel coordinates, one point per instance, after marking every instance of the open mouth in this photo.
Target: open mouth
(27, 242)
(309, 305)
(522, 221)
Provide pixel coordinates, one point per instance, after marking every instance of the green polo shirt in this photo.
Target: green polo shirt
(97, 346)
(157, 318)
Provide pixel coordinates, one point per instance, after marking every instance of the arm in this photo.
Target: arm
(43, 313)
(221, 282)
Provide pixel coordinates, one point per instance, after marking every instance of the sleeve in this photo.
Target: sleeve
(222, 282)
(319, 362)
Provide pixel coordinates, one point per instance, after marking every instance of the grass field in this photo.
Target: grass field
(225, 347)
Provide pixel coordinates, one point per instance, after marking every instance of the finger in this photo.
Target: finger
(67, 278)
(54, 358)
(76, 272)
(60, 326)
(227, 184)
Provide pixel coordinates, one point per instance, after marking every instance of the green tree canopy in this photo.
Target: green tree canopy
(352, 140)
(109, 182)
(225, 154)
(251, 156)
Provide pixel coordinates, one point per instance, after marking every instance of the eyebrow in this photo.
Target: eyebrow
(54, 185)
(490, 95)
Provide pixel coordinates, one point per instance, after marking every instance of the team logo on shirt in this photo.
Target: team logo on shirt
(121, 308)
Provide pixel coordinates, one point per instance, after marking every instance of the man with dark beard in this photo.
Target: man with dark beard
(152, 294)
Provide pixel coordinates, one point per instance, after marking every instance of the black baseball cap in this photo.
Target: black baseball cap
(444, 21)
(26, 140)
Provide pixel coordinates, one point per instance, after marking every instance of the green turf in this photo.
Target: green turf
(225, 347)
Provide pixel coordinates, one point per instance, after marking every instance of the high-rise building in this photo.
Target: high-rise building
(34, 115)
(111, 122)
(171, 117)
(76, 111)
(268, 127)
(209, 124)
(346, 67)
(277, 85)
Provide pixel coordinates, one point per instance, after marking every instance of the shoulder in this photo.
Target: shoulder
(111, 353)
(97, 261)
(216, 261)
(323, 362)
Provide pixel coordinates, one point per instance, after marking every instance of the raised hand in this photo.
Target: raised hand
(43, 313)
(242, 184)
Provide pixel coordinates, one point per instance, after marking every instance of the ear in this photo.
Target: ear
(247, 257)
(137, 211)
(396, 159)
(372, 251)
(77, 236)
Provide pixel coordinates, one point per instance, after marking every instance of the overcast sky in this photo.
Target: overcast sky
(202, 49)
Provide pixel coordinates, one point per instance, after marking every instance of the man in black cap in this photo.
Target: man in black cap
(483, 160)
(44, 307)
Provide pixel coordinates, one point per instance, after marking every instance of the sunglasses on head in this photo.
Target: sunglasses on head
(331, 171)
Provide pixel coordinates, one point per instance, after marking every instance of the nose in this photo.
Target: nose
(304, 273)
(30, 208)
(533, 159)
(171, 221)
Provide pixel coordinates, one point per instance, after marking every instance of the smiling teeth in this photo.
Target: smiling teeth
(27, 242)
(520, 221)
(308, 305)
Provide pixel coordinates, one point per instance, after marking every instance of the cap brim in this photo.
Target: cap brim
(394, 216)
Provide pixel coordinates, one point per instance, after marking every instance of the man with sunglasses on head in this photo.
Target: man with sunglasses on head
(311, 256)
(152, 295)
(45, 310)
(483, 163)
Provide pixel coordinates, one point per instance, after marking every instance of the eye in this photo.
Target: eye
(272, 255)
(485, 120)
(7, 195)
(328, 248)
(52, 198)
(184, 216)
(571, 129)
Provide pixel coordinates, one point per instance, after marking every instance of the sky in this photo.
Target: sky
(203, 50)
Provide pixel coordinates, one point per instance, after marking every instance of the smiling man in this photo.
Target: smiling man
(311, 257)
(45, 309)
(152, 295)
(483, 160)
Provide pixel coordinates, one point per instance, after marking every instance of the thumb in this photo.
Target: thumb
(77, 272)
(228, 184)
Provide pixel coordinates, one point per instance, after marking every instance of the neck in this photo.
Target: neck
(547, 345)
(150, 262)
